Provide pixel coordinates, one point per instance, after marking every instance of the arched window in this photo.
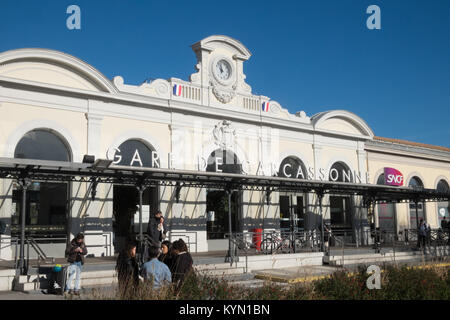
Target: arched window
(416, 182)
(47, 206)
(292, 167)
(224, 160)
(42, 145)
(386, 211)
(136, 153)
(442, 186)
(443, 207)
(415, 214)
(340, 172)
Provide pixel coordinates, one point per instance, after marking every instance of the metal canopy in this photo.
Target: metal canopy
(11, 168)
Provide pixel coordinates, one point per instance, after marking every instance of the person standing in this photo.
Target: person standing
(166, 254)
(75, 253)
(127, 269)
(156, 271)
(182, 263)
(422, 233)
(157, 229)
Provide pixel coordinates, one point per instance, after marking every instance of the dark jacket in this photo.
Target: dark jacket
(152, 229)
(127, 270)
(181, 266)
(167, 259)
(73, 256)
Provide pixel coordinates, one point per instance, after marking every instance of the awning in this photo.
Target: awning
(55, 171)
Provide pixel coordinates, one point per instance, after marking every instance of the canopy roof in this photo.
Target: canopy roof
(11, 168)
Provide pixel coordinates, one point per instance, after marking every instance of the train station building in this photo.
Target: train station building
(55, 107)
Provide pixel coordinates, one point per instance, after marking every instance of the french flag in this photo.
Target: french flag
(265, 106)
(177, 90)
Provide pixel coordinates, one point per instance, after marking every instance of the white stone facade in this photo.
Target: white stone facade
(50, 90)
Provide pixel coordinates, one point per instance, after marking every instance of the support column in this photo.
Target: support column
(24, 183)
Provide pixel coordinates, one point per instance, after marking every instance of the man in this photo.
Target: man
(75, 253)
(156, 229)
(422, 233)
(155, 270)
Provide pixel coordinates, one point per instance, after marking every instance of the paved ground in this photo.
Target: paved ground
(37, 295)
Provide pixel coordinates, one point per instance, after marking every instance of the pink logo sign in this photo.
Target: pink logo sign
(393, 177)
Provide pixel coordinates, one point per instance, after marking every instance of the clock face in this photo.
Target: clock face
(222, 70)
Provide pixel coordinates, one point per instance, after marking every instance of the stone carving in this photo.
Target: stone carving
(224, 135)
(224, 95)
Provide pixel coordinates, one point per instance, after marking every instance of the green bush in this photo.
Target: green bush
(397, 283)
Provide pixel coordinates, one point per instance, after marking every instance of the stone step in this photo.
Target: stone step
(365, 260)
(214, 266)
(27, 286)
(98, 274)
(221, 272)
(254, 283)
(98, 281)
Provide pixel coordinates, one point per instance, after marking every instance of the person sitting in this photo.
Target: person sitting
(156, 271)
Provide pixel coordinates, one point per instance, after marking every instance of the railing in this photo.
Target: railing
(271, 242)
(33, 243)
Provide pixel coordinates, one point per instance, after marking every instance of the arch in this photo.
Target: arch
(43, 144)
(225, 155)
(293, 153)
(319, 119)
(206, 152)
(294, 162)
(439, 179)
(43, 124)
(60, 59)
(135, 152)
(144, 137)
(421, 212)
(339, 166)
(412, 175)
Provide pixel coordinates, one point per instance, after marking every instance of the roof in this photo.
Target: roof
(39, 170)
(411, 143)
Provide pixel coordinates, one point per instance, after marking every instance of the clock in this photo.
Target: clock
(222, 70)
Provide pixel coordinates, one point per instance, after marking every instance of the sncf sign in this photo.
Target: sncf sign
(393, 177)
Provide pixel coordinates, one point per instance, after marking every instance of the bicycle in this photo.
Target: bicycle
(276, 243)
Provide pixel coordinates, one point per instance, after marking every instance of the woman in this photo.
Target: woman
(128, 270)
(182, 263)
(166, 254)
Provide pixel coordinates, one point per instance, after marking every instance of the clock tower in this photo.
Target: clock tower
(220, 62)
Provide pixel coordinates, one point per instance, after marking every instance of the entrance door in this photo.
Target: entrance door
(126, 212)
(292, 215)
(46, 210)
(217, 208)
(386, 216)
(340, 213)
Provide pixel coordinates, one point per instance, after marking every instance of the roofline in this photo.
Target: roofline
(411, 143)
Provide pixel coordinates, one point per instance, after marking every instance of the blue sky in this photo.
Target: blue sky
(307, 55)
